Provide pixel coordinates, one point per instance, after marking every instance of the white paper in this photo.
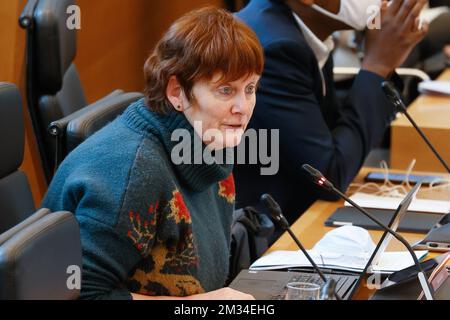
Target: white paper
(435, 87)
(432, 13)
(389, 261)
(379, 202)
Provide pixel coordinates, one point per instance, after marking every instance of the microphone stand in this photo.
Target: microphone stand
(275, 212)
(320, 180)
(394, 97)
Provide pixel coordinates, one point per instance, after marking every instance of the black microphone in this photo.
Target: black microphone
(277, 215)
(320, 180)
(318, 177)
(395, 98)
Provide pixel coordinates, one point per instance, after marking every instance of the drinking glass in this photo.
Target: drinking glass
(302, 291)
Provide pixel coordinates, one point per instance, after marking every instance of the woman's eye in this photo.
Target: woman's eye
(226, 90)
(250, 90)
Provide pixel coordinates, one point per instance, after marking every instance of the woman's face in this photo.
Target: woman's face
(220, 112)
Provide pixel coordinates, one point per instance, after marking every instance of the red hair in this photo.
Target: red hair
(196, 47)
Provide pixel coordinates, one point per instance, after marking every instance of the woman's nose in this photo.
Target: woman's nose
(240, 104)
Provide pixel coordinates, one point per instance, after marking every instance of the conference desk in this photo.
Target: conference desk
(310, 227)
(432, 114)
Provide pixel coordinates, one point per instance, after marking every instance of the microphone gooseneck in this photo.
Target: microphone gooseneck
(276, 213)
(320, 180)
(395, 98)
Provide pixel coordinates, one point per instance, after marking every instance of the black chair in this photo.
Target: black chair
(54, 89)
(73, 129)
(21, 225)
(16, 201)
(37, 249)
(41, 258)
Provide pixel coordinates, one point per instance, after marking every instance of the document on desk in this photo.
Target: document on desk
(389, 261)
(435, 87)
(366, 200)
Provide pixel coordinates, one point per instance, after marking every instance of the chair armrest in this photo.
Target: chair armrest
(87, 123)
(25, 223)
(58, 127)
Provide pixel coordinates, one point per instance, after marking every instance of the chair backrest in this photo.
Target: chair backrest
(67, 101)
(55, 45)
(54, 89)
(59, 91)
(16, 201)
(39, 260)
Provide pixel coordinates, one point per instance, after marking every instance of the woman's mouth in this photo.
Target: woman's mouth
(233, 126)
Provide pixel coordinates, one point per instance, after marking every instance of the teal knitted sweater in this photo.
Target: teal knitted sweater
(147, 225)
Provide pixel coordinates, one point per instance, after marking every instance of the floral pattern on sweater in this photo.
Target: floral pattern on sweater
(143, 228)
(169, 266)
(227, 189)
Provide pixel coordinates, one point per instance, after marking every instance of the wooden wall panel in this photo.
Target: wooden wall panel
(116, 37)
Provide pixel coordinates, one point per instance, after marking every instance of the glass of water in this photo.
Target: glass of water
(302, 291)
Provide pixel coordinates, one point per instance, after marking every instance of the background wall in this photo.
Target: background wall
(116, 37)
(113, 43)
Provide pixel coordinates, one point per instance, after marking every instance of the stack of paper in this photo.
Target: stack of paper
(381, 202)
(389, 261)
(435, 87)
(430, 14)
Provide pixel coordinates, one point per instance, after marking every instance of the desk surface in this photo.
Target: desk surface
(432, 115)
(310, 227)
(429, 111)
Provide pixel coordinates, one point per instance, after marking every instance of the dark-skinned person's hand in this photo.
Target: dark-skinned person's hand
(389, 46)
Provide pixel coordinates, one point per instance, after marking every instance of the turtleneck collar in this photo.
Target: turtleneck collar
(196, 176)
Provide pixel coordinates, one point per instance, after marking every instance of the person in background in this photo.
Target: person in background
(297, 95)
(430, 54)
(447, 50)
(153, 227)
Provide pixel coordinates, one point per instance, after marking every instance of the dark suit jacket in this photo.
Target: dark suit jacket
(314, 129)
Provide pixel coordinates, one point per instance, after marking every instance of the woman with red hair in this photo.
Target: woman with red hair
(153, 223)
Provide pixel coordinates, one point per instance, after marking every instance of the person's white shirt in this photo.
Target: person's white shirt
(321, 49)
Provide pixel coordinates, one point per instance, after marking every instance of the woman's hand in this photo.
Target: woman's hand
(222, 294)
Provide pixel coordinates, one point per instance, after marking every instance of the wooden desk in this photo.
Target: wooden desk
(432, 114)
(310, 227)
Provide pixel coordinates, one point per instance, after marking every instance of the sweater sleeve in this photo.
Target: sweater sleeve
(114, 237)
(108, 258)
(112, 248)
(105, 183)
